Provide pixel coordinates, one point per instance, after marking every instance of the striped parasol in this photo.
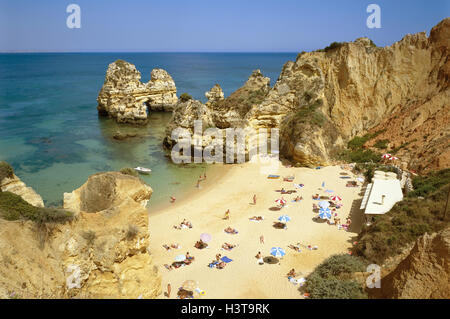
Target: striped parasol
(336, 198)
(393, 158)
(386, 156)
(281, 201)
(325, 213)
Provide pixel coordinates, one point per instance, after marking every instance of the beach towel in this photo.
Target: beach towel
(212, 265)
(345, 177)
(225, 259)
(298, 185)
(273, 176)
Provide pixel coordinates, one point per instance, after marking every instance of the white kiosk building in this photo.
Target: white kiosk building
(381, 195)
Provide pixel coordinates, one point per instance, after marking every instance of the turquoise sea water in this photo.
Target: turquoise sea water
(50, 131)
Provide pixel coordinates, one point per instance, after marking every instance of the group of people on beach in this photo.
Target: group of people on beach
(177, 264)
(184, 224)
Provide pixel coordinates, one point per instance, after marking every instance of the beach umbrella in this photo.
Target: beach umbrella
(281, 201)
(324, 204)
(277, 252)
(336, 198)
(180, 258)
(205, 237)
(284, 218)
(325, 213)
(385, 156)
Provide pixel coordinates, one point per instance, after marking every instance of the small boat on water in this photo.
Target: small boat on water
(143, 170)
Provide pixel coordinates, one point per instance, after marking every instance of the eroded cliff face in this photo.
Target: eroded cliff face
(327, 97)
(103, 253)
(424, 273)
(125, 98)
(14, 185)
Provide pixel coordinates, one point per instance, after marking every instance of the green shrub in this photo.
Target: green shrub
(333, 288)
(332, 279)
(185, 97)
(424, 185)
(129, 171)
(311, 114)
(338, 265)
(5, 170)
(381, 144)
(13, 207)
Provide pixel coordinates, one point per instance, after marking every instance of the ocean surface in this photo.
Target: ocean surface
(51, 134)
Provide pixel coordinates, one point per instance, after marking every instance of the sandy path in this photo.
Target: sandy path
(243, 277)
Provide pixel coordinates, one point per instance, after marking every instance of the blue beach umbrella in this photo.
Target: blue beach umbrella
(325, 213)
(324, 204)
(284, 218)
(277, 252)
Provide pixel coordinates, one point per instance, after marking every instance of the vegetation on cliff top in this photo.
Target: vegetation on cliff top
(13, 207)
(242, 99)
(333, 279)
(185, 97)
(5, 171)
(129, 171)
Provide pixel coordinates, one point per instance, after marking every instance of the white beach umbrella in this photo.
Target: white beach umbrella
(324, 204)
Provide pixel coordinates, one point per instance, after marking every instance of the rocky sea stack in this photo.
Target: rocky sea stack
(126, 99)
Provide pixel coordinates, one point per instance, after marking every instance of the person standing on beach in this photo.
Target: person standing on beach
(227, 214)
(254, 199)
(261, 239)
(169, 289)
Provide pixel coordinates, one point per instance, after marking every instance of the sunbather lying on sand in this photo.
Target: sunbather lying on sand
(283, 191)
(298, 198)
(312, 247)
(230, 230)
(256, 218)
(316, 196)
(183, 224)
(221, 265)
(228, 246)
(200, 244)
(168, 267)
(294, 247)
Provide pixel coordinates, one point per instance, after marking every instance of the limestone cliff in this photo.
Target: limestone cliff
(101, 254)
(326, 97)
(125, 98)
(424, 273)
(14, 185)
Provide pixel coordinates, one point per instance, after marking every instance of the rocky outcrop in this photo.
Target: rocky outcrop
(14, 185)
(326, 97)
(103, 253)
(125, 98)
(424, 273)
(214, 95)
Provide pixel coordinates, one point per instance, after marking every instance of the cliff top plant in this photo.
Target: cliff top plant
(6, 170)
(185, 97)
(13, 207)
(129, 171)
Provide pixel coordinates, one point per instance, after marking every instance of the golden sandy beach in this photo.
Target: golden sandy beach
(243, 277)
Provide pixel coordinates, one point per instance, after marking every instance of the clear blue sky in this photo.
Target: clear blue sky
(208, 25)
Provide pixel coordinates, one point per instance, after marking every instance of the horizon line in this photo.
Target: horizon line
(24, 52)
